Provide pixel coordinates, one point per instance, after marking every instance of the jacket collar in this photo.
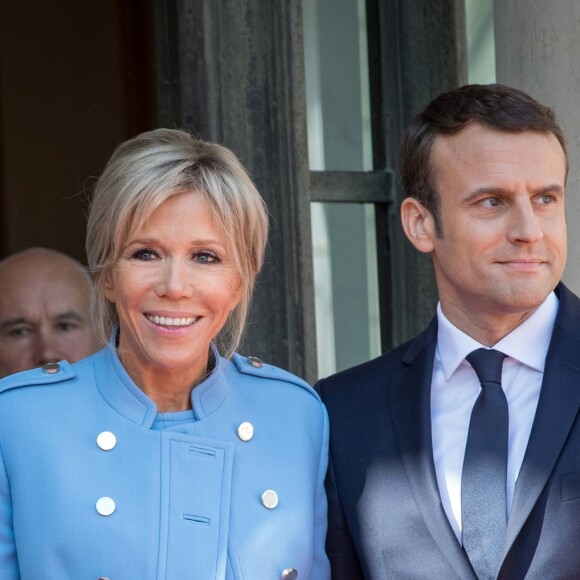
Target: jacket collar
(119, 390)
(411, 412)
(558, 407)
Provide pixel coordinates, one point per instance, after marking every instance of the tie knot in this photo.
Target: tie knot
(487, 364)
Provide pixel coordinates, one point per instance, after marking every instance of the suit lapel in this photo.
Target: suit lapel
(411, 411)
(557, 410)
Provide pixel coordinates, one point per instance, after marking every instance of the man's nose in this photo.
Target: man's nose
(525, 225)
(46, 349)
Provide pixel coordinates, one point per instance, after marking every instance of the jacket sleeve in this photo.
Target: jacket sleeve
(9, 569)
(321, 566)
(344, 562)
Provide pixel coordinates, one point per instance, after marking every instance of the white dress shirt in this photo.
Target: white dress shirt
(455, 387)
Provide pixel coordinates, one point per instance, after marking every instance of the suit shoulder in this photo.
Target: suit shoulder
(378, 371)
(381, 366)
(49, 374)
(255, 367)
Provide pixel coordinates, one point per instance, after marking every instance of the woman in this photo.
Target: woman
(164, 456)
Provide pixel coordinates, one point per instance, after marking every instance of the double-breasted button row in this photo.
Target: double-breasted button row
(269, 498)
(106, 441)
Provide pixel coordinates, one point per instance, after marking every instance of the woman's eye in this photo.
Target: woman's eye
(144, 255)
(205, 257)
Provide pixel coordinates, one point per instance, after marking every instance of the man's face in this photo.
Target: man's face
(44, 317)
(503, 243)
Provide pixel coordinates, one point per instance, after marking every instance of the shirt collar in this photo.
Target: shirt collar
(527, 343)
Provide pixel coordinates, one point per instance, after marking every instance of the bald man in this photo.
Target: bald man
(44, 310)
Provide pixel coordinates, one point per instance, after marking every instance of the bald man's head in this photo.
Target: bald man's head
(44, 310)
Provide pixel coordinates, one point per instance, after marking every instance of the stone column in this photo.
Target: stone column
(537, 48)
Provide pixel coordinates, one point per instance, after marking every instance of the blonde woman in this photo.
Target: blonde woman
(165, 456)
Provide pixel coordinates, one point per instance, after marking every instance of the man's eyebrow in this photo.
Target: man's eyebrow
(69, 315)
(9, 322)
(552, 188)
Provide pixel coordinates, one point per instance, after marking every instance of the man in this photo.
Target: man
(44, 310)
(457, 455)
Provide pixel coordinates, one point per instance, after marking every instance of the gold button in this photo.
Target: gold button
(289, 574)
(105, 506)
(106, 440)
(245, 431)
(270, 499)
(50, 368)
(255, 362)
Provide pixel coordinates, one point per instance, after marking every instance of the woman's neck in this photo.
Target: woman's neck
(169, 388)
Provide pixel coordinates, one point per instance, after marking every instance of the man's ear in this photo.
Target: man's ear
(418, 224)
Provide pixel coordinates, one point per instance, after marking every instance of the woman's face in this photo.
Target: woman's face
(173, 287)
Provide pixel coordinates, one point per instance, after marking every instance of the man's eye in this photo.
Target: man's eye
(19, 332)
(66, 326)
(144, 255)
(491, 202)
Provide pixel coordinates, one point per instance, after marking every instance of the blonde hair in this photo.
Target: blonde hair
(147, 170)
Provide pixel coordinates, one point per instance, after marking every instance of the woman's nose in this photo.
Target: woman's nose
(174, 282)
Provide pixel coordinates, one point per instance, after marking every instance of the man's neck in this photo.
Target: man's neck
(486, 329)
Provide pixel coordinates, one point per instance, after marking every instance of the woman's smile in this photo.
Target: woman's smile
(179, 321)
(173, 287)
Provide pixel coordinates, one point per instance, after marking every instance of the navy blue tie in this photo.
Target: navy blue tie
(483, 481)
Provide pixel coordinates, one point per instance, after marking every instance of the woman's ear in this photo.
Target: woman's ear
(418, 224)
(108, 286)
(239, 293)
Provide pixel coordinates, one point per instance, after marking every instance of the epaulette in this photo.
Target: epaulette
(44, 375)
(251, 365)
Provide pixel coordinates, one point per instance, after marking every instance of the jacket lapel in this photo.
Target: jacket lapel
(557, 409)
(411, 411)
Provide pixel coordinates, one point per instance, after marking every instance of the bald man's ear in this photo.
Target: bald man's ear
(418, 224)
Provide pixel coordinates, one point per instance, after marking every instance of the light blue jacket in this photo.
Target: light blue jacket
(182, 502)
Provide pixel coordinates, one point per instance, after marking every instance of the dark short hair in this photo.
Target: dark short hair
(494, 106)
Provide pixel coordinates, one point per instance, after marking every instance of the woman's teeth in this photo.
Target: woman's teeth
(166, 321)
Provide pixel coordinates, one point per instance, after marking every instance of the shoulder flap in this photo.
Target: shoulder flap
(250, 365)
(45, 375)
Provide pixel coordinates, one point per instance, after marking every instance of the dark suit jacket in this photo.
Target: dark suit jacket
(385, 514)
